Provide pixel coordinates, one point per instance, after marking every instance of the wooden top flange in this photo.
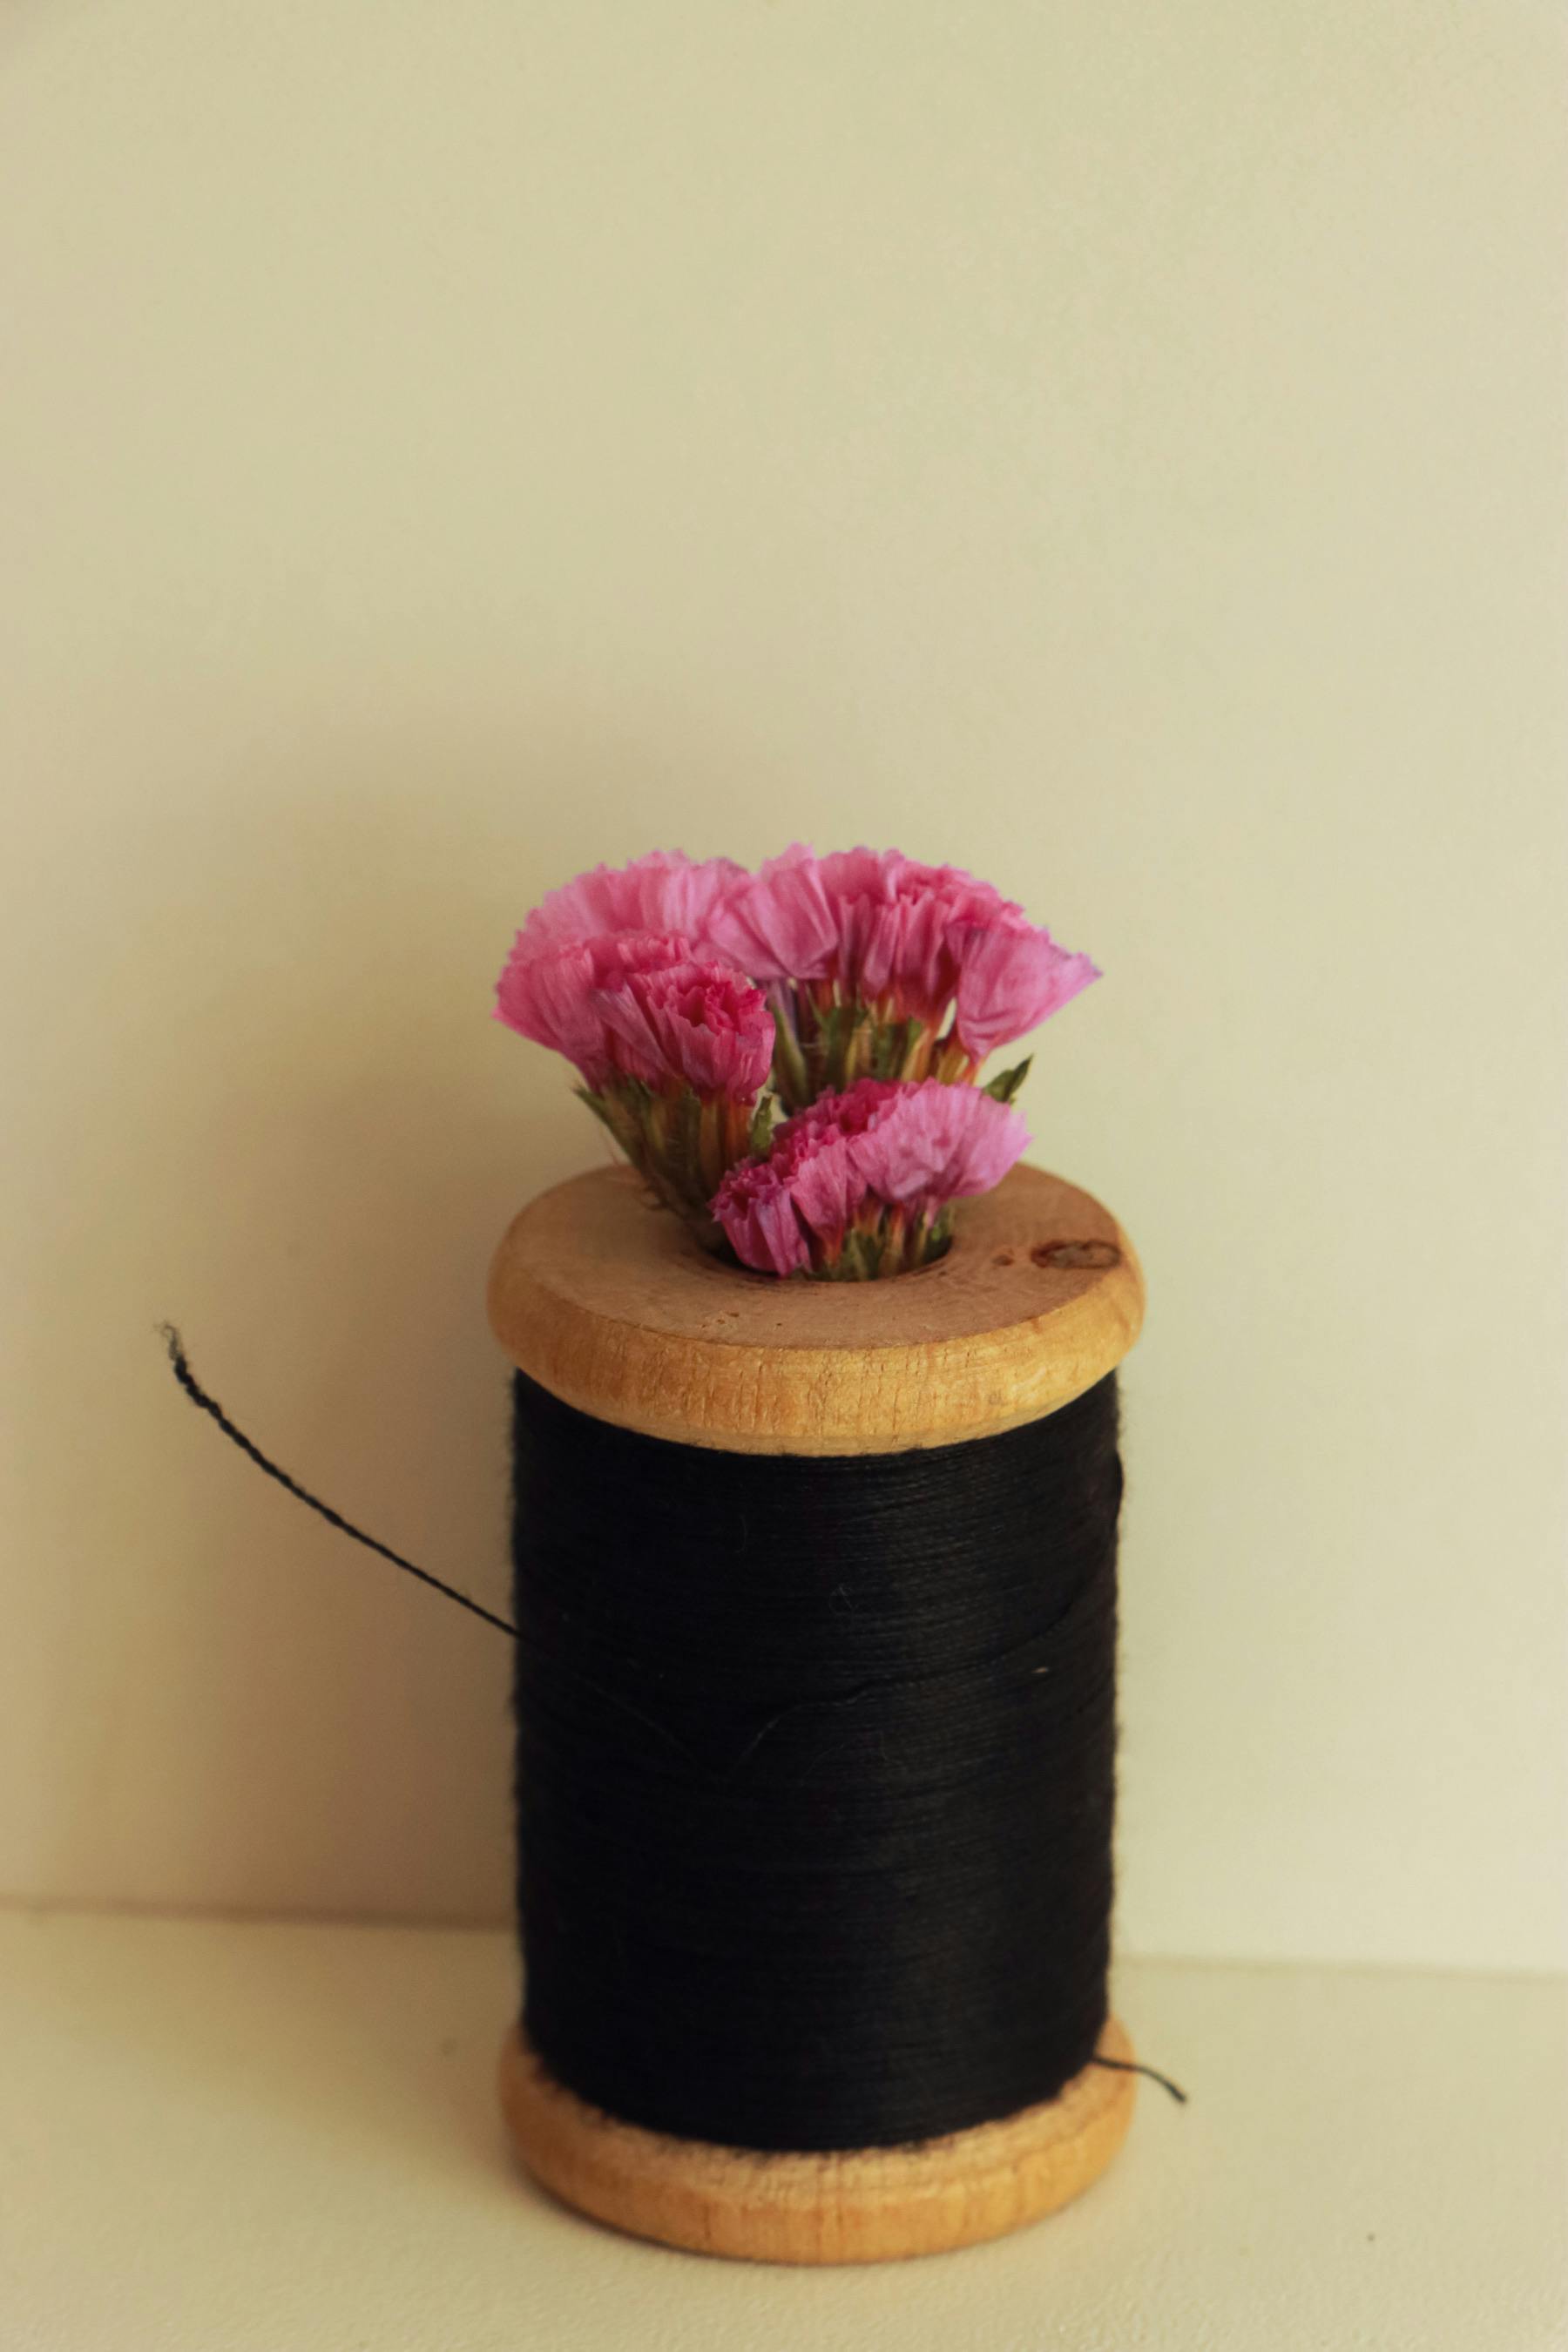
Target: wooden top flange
(607, 1301)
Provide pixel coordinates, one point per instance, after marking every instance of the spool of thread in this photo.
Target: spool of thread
(815, 1602)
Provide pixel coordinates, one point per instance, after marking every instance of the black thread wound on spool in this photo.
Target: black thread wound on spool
(209, 1405)
(816, 1774)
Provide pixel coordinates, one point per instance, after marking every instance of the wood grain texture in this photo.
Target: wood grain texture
(870, 2206)
(609, 1303)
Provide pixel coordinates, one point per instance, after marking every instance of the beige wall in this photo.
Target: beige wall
(1115, 446)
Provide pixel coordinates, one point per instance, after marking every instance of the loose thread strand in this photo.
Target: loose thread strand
(214, 1412)
(1131, 2066)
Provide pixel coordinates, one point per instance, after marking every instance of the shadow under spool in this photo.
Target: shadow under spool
(632, 2091)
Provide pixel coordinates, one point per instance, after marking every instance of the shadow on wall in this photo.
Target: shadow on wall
(317, 1136)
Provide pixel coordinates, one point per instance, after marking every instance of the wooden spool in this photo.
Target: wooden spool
(606, 1301)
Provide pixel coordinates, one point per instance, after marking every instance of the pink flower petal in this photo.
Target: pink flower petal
(937, 1143)
(779, 924)
(664, 891)
(827, 1187)
(545, 997)
(759, 1220)
(1011, 978)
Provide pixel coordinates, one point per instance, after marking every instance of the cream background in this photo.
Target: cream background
(1116, 448)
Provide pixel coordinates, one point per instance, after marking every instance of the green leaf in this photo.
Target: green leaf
(597, 1104)
(1006, 1082)
(613, 1112)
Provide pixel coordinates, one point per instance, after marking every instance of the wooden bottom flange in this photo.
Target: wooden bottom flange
(869, 2205)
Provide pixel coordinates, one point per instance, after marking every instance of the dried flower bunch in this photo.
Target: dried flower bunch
(859, 994)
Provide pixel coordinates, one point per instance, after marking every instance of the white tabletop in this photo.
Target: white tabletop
(215, 2137)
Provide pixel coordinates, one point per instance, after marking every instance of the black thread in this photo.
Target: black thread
(236, 1437)
(594, 1688)
(815, 1775)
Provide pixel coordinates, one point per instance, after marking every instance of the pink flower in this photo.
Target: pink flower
(585, 977)
(879, 930)
(883, 1162)
(556, 994)
(754, 1208)
(664, 891)
(640, 1005)
(691, 1024)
